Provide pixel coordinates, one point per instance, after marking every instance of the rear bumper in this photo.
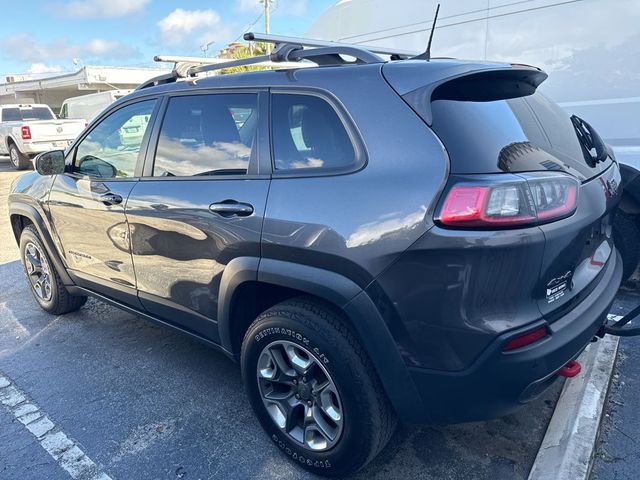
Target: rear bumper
(33, 148)
(499, 383)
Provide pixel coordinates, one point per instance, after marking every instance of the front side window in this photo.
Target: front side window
(308, 134)
(207, 135)
(112, 148)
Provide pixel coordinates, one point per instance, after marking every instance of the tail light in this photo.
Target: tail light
(503, 201)
(25, 131)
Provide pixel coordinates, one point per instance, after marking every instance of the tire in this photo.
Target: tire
(18, 159)
(626, 234)
(51, 294)
(317, 333)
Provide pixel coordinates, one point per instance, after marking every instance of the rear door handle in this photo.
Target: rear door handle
(230, 208)
(111, 199)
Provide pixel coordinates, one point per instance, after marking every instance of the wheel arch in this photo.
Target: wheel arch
(21, 215)
(251, 285)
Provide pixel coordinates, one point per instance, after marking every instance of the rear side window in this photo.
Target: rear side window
(207, 135)
(308, 134)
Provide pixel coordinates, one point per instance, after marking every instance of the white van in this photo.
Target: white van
(88, 106)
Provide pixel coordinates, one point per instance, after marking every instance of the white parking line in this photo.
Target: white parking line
(63, 450)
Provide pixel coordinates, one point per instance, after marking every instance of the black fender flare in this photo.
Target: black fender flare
(345, 294)
(30, 212)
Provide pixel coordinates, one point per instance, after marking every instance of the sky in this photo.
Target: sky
(45, 36)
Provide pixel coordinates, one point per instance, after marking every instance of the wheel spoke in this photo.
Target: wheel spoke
(33, 260)
(37, 268)
(325, 428)
(299, 360)
(327, 401)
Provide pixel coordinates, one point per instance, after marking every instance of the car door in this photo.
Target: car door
(199, 204)
(87, 202)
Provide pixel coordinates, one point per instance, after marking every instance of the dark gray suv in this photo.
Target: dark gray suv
(423, 241)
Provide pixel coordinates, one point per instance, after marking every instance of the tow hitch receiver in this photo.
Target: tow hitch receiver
(570, 370)
(618, 327)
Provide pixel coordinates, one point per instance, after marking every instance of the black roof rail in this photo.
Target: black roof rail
(287, 49)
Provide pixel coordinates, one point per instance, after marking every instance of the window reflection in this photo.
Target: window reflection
(207, 135)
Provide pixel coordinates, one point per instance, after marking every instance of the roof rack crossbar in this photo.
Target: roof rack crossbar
(309, 42)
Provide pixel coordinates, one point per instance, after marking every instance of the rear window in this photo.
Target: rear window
(26, 114)
(521, 134)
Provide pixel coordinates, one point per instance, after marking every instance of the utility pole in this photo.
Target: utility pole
(267, 19)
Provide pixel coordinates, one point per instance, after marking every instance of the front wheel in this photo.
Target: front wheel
(314, 389)
(46, 285)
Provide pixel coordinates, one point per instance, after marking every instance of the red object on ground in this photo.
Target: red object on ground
(570, 370)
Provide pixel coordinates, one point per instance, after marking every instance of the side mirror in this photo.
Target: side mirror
(50, 163)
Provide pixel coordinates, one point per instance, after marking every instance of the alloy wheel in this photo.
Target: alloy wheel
(300, 395)
(38, 271)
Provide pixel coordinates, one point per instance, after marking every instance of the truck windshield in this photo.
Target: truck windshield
(24, 114)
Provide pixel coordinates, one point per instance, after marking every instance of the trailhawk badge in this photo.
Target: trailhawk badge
(558, 286)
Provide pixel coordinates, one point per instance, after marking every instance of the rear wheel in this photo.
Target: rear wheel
(626, 233)
(314, 389)
(45, 283)
(18, 159)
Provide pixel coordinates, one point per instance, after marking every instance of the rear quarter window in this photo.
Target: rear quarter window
(308, 135)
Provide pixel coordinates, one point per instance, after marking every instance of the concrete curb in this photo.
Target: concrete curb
(568, 446)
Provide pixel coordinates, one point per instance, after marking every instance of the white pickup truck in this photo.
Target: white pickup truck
(26, 130)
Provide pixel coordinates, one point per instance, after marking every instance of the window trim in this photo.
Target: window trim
(361, 156)
(256, 167)
(71, 154)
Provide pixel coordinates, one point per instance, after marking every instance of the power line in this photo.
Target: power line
(488, 17)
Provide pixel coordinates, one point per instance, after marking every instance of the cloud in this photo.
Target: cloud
(192, 28)
(279, 7)
(37, 68)
(23, 47)
(101, 8)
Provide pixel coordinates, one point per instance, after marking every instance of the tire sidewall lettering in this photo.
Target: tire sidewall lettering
(298, 457)
(288, 332)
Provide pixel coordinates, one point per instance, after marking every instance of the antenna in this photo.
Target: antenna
(427, 53)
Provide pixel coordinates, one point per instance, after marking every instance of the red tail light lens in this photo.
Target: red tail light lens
(493, 202)
(525, 339)
(26, 132)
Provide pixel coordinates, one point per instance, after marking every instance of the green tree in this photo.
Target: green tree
(246, 51)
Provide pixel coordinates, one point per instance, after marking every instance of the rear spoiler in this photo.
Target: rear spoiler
(463, 82)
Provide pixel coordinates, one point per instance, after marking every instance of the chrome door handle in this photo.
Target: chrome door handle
(230, 208)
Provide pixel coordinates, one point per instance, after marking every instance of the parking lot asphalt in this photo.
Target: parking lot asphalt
(144, 402)
(617, 455)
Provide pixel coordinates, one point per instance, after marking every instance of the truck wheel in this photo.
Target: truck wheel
(18, 159)
(626, 234)
(314, 389)
(45, 283)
